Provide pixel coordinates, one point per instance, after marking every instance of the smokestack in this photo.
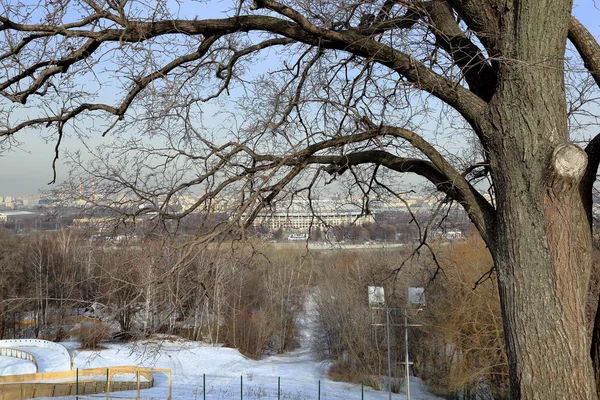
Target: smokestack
(93, 190)
(80, 188)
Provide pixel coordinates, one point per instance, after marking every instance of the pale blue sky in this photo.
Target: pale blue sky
(27, 168)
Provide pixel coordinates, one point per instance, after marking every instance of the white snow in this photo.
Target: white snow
(15, 366)
(48, 360)
(50, 357)
(226, 370)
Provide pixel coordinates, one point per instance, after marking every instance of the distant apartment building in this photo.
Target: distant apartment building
(14, 216)
(19, 202)
(448, 235)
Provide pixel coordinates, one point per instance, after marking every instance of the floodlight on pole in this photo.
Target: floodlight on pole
(416, 296)
(376, 296)
(377, 300)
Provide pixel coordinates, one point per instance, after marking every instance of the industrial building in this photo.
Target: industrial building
(301, 215)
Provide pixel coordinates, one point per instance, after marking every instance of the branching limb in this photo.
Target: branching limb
(299, 29)
(589, 178)
(482, 19)
(587, 46)
(479, 210)
(125, 104)
(477, 70)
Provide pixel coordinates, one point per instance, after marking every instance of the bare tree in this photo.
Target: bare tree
(12, 254)
(351, 93)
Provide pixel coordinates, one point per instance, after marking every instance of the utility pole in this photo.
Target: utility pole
(416, 297)
(406, 362)
(389, 359)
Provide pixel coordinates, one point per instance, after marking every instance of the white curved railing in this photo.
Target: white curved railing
(16, 353)
(15, 343)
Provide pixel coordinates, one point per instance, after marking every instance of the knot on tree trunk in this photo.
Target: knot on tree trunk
(567, 167)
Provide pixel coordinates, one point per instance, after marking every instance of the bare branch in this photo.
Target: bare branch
(468, 104)
(589, 178)
(587, 46)
(480, 212)
(477, 70)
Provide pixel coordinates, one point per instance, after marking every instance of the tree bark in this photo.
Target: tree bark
(595, 349)
(543, 258)
(542, 247)
(589, 50)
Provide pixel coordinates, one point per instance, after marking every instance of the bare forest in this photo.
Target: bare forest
(61, 286)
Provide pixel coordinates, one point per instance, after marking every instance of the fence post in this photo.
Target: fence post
(319, 389)
(107, 382)
(362, 390)
(77, 384)
(278, 388)
(138, 383)
(204, 385)
(241, 387)
(170, 386)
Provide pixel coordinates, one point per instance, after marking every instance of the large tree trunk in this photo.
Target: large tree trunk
(542, 247)
(543, 256)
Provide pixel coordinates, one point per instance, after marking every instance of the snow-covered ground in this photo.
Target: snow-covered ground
(50, 357)
(48, 360)
(15, 366)
(228, 374)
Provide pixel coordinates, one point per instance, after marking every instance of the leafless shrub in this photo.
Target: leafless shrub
(91, 333)
(264, 300)
(460, 345)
